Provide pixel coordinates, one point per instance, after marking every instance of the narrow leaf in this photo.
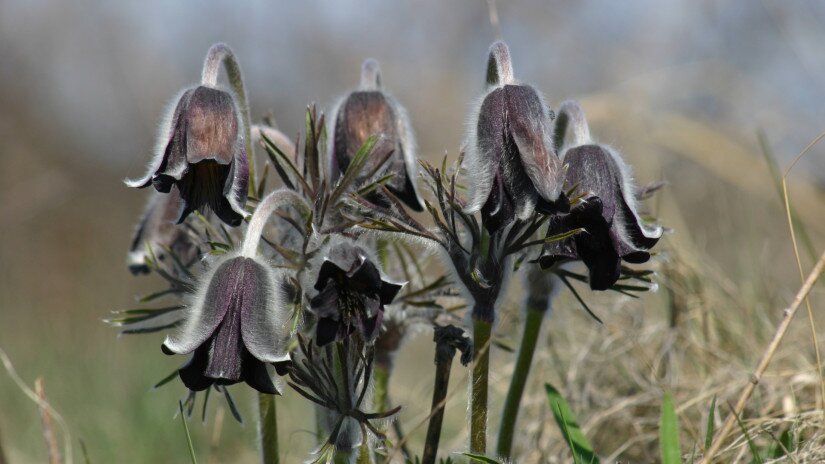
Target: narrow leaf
(669, 433)
(709, 429)
(579, 446)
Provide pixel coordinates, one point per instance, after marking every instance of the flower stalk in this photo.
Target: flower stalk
(220, 54)
(541, 288)
(268, 429)
(481, 373)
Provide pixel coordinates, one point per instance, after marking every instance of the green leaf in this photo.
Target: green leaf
(751, 445)
(481, 458)
(579, 446)
(669, 433)
(783, 445)
(188, 437)
(354, 168)
(709, 429)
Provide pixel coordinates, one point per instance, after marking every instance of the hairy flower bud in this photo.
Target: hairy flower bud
(512, 166)
(607, 210)
(370, 112)
(201, 152)
(235, 326)
(157, 229)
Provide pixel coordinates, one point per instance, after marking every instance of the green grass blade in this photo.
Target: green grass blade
(579, 446)
(709, 431)
(669, 433)
(188, 437)
(757, 458)
(480, 458)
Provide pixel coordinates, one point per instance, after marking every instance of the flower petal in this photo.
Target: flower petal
(264, 313)
(211, 126)
(168, 133)
(256, 375)
(192, 373)
(528, 124)
(208, 309)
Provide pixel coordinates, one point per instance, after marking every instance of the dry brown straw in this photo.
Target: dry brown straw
(789, 313)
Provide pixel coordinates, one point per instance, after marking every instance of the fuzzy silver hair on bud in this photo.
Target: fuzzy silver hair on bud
(511, 162)
(607, 210)
(157, 229)
(369, 112)
(201, 152)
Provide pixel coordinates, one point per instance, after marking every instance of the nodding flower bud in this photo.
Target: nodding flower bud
(201, 152)
(369, 112)
(239, 319)
(606, 210)
(157, 230)
(351, 295)
(512, 166)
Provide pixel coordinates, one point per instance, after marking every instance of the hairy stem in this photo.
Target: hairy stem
(532, 328)
(380, 384)
(220, 54)
(481, 371)
(268, 429)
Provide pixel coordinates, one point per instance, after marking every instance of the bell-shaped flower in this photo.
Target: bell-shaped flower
(607, 208)
(201, 152)
(157, 229)
(369, 112)
(512, 166)
(351, 295)
(234, 327)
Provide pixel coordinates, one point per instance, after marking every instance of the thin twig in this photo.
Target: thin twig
(67, 440)
(766, 359)
(48, 426)
(786, 199)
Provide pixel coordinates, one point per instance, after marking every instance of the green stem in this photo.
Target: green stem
(268, 429)
(532, 328)
(218, 54)
(481, 372)
(380, 385)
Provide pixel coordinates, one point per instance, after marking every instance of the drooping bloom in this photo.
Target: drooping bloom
(234, 327)
(158, 230)
(201, 153)
(607, 210)
(370, 112)
(512, 166)
(351, 295)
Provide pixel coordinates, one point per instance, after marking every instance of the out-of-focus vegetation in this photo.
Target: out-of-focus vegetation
(681, 89)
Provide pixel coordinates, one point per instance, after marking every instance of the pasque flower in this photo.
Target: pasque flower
(369, 112)
(157, 229)
(238, 320)
(201, 153)
(351, 295)
(606, 210)
(512, 165)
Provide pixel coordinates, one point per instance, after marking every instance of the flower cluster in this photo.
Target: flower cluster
(307, 283)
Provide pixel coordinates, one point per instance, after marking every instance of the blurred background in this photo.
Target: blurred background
(682, 88)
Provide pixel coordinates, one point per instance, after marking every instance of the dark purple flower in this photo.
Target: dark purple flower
(234, 327)
(351, 296)
(512, 166)
(158, 230)
(201, 153)
(607, 210)
(370, 112)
